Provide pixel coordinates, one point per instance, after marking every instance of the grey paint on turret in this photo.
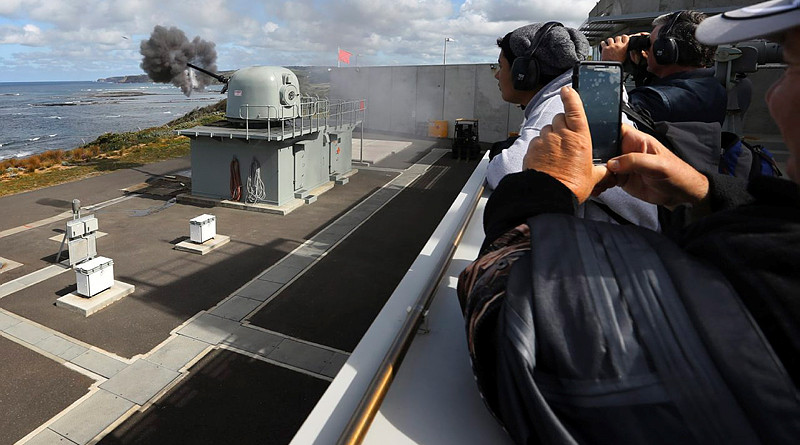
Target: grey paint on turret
(285, 167)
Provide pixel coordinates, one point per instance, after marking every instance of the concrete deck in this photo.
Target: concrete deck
(238, 344)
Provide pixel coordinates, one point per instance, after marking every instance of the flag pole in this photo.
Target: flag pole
(338, 59)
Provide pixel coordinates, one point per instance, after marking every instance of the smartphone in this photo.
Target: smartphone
(600, 87)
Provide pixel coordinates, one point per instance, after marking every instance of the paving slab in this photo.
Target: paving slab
(253, 340)
(235, 308)
(28, 333)
(7, 321)
(55, 345)
(334, 364)
(280, 273)
(99, 363)
(73, 352)
(140, 381)
(209, 328)
(82, 423)
(259, 290)
(177, 352)
(49, 437)
(301, 355)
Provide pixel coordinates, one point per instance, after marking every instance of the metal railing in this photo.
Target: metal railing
(311, 114)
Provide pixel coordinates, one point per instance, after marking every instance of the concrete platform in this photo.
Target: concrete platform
(204, 248)
(6, 264)
(88, 306)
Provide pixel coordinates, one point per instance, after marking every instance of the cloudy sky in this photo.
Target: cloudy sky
(88, 39)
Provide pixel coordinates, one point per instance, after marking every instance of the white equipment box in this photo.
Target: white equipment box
(82, 226)
(202, 228)
(94, 276)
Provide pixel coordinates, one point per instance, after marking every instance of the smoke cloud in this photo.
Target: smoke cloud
(166, 53)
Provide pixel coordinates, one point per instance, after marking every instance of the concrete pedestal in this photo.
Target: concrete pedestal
(203, 248)
(88, 306)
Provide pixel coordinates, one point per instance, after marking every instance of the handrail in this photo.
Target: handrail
(362, 418)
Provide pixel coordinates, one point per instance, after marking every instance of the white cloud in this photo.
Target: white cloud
(270, 27)
(28, 35)
(88, 35)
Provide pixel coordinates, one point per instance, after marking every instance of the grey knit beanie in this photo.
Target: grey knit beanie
(558, 50)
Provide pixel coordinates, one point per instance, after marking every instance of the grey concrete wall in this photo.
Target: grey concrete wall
(405, 99)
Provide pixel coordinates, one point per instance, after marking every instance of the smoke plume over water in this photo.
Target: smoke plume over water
(166, 53)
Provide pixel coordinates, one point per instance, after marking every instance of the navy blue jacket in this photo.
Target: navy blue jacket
(689, 96)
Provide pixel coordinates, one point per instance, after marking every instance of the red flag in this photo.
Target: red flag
(344, 56)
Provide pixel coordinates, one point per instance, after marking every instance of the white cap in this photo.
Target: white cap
(759, 20)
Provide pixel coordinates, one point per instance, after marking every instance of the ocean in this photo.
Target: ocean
(41, 116)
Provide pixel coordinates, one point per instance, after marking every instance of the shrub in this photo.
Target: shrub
(77, 154)
(51, 157)
(32, 163)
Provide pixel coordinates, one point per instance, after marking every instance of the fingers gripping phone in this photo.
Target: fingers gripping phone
(600, 87)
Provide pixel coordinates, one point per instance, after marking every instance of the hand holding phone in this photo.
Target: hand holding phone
(600, 88)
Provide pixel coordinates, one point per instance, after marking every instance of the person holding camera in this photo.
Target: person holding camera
(535, 61)
(682, 87)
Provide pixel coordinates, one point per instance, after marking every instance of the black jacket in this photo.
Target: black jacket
(689, 96)
(753, 238)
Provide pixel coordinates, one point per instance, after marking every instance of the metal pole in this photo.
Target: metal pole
(361, 156)
(444, 72)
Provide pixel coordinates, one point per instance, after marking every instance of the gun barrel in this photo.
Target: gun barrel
(219, 77)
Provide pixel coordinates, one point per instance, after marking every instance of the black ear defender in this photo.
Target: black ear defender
(665, 49)
(525, 70)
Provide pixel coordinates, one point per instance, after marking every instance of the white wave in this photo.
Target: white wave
(34, 139)
(115, 115)
(52, 135)
(168, 112)
(23, 154)
(53, 117)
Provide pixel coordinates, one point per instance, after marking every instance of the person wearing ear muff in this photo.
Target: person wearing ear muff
(535, 62)
(683, 88)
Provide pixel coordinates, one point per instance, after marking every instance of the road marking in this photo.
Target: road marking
(32, 278)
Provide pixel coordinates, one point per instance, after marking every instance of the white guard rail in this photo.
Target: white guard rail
(346, 395)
